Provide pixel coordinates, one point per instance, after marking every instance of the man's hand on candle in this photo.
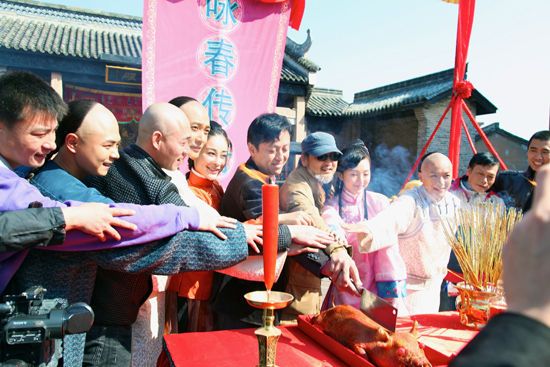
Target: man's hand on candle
(253, 236)
(343, 272)
(309, 237)
(296, 218)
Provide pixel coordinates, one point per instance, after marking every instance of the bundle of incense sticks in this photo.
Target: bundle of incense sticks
(481, 231)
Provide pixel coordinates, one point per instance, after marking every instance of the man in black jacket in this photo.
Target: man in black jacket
(26, 228)
(516, 187)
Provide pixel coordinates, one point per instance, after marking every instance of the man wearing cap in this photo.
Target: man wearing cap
(303, 191)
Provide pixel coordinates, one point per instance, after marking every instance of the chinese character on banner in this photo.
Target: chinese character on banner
(227, 54)
(222, 14)
(220, 105)
(218, 58)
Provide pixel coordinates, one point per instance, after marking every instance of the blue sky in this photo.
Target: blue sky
(363, 44)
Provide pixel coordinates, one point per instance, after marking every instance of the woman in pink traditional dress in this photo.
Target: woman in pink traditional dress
(382, 272)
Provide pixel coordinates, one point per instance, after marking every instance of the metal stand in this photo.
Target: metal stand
(268, 335)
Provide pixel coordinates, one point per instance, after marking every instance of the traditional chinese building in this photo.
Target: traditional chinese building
(395, 120)
(97, 55)
(511, 148)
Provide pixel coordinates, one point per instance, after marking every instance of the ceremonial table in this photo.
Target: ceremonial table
(442, 334)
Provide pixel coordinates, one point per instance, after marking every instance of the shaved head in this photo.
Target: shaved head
(437, 160)
(436, 175)
(93, 147)
(98, 119)
(164, 134)
(162, 117)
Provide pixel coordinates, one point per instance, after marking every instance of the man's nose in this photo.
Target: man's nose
(114, 153)
(49, 143)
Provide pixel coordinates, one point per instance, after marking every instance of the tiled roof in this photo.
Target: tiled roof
(409, 93)
(59, 30)
(494, 128)
(326, 102)
(69, 31)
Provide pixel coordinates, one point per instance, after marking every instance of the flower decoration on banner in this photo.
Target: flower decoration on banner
(221, 15)
(451, 1)
(296, 11)
(464, 89)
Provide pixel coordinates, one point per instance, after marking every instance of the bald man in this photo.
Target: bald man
(414, 222)
(138, 177)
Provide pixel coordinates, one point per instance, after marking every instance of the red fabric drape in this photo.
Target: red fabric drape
(461, 89)
(296, 11)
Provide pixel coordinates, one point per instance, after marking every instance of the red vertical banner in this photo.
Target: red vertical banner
(270, 224)
(461, 89)
(225, 53)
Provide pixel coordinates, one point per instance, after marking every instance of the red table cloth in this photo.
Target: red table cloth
(230, 348)
(441, 333)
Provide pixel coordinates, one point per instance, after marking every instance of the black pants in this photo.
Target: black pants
(108, 346)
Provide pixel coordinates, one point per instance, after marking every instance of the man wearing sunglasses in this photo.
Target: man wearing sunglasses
(303, 191)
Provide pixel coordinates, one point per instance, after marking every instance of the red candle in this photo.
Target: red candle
(270, 226)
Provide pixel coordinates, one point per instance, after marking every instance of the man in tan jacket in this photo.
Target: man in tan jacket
(303, 191)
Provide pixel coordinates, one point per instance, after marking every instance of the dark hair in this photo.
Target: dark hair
(266, 128)
(71, 122)
(351, 157)
(483, 159)
(543, 135)
(215, 129)
(181, 100)
(423, 159)
(23, 95)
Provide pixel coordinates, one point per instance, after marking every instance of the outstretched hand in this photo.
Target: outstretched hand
(343, 272)
(364, 235)
(296, 218)
(253, 236)
(310, 239)
(211, 221)
(98, 220)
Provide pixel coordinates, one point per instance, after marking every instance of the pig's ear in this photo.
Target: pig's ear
(373, 347)
(413, 331)
(382, 335)
(357, 348)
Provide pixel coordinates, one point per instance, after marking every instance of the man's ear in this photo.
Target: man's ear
(251, 149)
(156, 139)
(303, 159)
(468, 171)
(71, 141)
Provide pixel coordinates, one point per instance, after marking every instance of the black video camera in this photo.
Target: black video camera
(29, 325)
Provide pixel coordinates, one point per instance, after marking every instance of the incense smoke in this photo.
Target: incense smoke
(389, 169)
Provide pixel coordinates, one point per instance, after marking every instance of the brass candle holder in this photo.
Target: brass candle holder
(268, 334)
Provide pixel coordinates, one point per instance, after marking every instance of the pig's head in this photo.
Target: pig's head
(398, 350)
